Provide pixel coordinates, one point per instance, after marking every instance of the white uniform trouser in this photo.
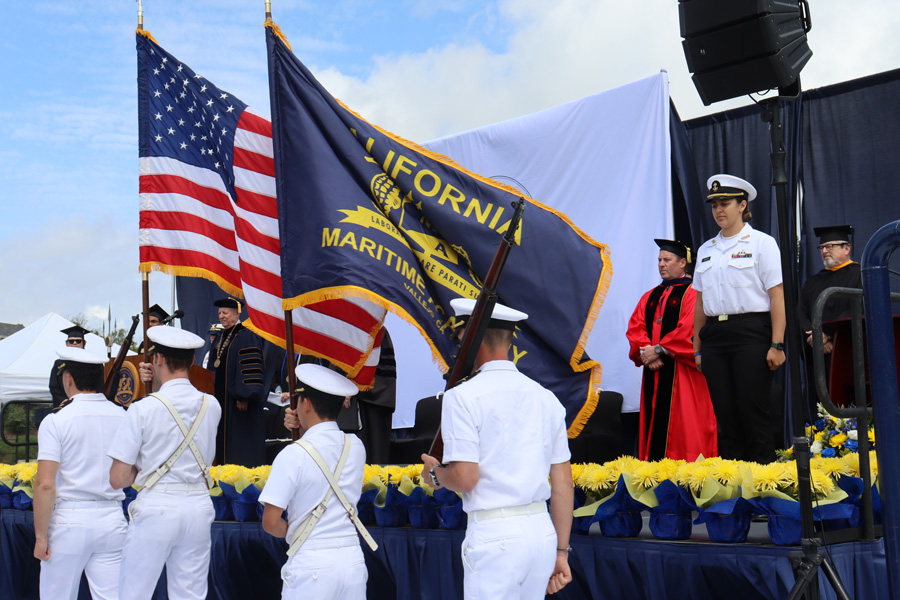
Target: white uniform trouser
(84, 537)
(509, 557)
(172, 528)
(326, 569)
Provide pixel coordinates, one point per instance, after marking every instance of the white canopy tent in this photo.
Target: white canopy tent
(26, 357)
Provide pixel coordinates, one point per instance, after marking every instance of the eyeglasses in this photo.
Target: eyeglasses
(74, 342)
(831, 247)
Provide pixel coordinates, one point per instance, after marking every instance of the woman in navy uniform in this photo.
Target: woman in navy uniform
(739, 317)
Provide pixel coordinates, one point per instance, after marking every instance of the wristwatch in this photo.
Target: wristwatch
(434, 478)
(658, 349)
(778, 346)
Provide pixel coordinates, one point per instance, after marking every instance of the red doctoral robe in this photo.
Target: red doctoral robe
(677, 418)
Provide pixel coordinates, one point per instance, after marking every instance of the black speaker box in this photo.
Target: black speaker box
(735, 47)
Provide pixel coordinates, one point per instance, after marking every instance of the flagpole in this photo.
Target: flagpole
(140, 14)
(289, 360)
(145, 292)
(268, 10)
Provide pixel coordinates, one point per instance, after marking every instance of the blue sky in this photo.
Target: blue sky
(68, 114)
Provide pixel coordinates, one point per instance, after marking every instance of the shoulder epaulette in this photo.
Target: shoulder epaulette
(464, 379)
(62, 405)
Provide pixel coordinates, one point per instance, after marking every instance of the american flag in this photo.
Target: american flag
(208, 209)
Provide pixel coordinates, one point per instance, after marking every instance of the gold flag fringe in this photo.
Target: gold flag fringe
(590, 404)
(228, 288)
(278, 33)
(341, 292)
(147, 35)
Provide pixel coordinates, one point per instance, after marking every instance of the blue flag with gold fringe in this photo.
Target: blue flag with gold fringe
(366, 214)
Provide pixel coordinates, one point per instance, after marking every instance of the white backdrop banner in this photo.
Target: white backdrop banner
(605, 162)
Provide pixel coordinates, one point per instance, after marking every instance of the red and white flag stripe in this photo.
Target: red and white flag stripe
(190, 226)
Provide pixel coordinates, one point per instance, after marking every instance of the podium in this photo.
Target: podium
(131, 387)
(841, 385)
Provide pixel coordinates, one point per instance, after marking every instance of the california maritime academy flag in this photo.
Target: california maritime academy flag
(365, 214)
(208, 210)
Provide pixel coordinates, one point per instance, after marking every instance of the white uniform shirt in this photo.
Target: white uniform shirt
(734, 274)
(149, 434)
(512, 427)
(297, 484)
(77, 437)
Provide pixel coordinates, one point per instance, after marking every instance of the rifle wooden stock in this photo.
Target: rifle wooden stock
(109, 387)
(478, 324)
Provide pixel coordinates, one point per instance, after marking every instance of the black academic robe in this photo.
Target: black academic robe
(376, 406)
(838, 307)
(848, 276)
(57, 393)
(240, 376)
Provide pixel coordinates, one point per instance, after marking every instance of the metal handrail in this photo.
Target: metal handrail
(885, 396)
(860, 412)
(28, 443)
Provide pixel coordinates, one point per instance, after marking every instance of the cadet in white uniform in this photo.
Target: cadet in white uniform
(172, 516)
(78, 521)
(326, 560)
(739, 320)
(503, 434)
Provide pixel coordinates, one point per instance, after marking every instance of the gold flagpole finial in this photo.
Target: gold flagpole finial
(140, 14)
(268, 10)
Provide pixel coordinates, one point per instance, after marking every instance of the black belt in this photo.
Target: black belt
(753, 315)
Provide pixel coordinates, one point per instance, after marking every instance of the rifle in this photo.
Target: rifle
(111, 385)
(478, 324)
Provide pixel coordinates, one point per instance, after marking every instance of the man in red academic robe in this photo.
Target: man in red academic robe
(677, 418)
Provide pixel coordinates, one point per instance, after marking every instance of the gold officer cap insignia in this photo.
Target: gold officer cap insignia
(715, 186)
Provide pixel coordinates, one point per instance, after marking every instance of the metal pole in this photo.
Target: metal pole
(145, 294)
(289, 360)
(792, 335)
(885, 396)
(140, 14)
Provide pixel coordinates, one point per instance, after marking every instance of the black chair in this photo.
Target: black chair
(428, 419)
(601, 439)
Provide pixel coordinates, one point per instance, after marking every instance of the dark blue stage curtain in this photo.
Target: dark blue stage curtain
(738, 142)
(851, 150)
(426, 564)
(841, 142)
(687, 190)
(644, 569)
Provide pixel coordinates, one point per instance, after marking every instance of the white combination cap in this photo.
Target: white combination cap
(313, 379)
(81, 357)
(177, 343)
(728, 186)
(503, 317)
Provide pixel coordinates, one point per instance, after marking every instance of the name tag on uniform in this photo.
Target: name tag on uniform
(705, 259)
